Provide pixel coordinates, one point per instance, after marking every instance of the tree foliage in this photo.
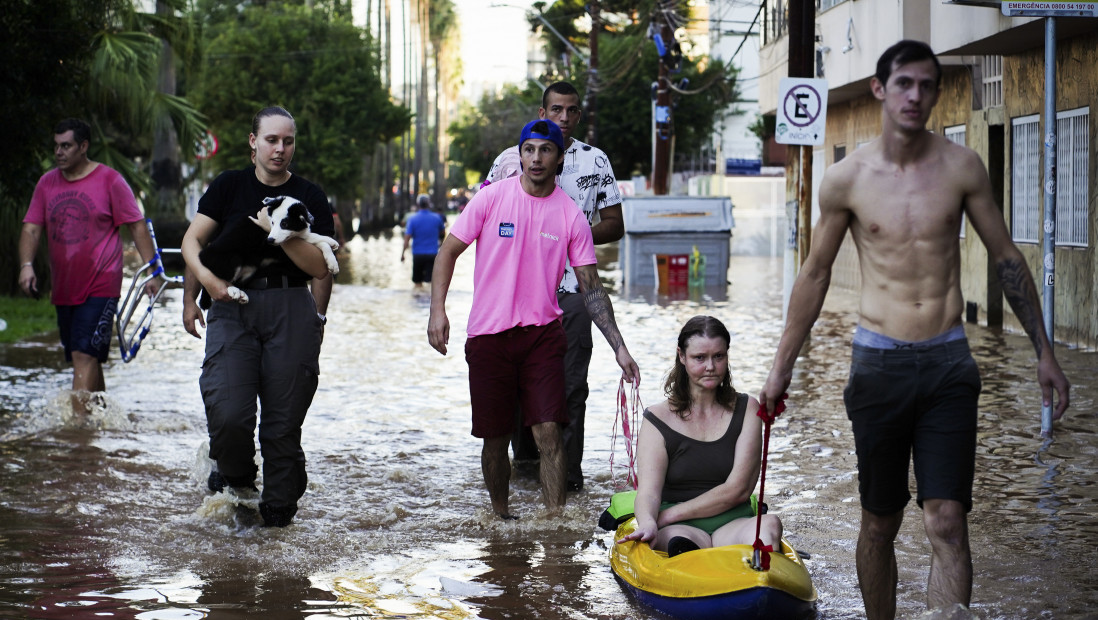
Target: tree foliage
(93, 59)
(628, 67)
(45, 44)
(316, 64)
(481, 132)
(625, 104)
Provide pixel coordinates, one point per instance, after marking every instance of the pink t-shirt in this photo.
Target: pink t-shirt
(81, 220)
(522, 244)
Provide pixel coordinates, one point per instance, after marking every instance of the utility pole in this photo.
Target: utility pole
(593, 72)
(802, 57)
(664, 131)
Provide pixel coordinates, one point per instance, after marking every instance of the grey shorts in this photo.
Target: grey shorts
(913, 405)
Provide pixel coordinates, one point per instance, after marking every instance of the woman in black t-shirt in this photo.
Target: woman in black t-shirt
(267, 348)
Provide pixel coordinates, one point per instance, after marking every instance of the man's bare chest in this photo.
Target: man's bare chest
(906, 208)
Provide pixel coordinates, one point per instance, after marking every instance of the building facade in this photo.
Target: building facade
(992, 100)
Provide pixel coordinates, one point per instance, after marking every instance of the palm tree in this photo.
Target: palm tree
(131, 104)
(443, 29)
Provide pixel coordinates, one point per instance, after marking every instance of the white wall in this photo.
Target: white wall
(728, 20)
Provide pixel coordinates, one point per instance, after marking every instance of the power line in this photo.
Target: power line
(748, 33)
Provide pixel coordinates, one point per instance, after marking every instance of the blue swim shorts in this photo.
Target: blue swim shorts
(87, 328)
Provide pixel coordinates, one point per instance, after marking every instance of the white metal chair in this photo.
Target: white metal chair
(131, 332)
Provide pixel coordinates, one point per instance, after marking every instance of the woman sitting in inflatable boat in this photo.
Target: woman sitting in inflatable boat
(698, 454)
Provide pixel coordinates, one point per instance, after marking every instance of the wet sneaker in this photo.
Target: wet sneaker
(246, 516)
(277, 516)
(217, 483)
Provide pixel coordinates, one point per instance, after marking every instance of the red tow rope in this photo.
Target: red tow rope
(628, 406)
(760, 559)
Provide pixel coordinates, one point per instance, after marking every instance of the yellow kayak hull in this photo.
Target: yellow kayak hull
(714, 583)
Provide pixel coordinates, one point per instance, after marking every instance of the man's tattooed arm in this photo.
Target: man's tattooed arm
(1021, 293)
(598, 305)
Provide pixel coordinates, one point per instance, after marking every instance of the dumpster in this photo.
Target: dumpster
(662, 233)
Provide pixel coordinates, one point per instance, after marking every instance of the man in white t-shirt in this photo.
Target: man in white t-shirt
(526, 231)
(588, 179)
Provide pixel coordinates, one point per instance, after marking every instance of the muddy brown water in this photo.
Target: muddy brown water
(108, 517)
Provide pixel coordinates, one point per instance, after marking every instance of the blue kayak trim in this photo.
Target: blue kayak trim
(767, 603)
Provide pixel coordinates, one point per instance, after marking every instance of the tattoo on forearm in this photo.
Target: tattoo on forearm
(602, 314)
(1021, 293)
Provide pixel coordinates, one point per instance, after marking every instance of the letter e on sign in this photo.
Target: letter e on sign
(802, 111)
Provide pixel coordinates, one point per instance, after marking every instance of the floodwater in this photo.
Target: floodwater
(108, 516)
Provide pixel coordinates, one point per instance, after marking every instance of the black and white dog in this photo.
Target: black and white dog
(243, 247)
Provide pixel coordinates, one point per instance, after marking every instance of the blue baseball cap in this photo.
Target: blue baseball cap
(542, 129)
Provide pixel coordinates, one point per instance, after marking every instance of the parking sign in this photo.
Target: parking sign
(802, 111)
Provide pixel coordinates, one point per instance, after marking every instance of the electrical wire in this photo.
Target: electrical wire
(748, 33)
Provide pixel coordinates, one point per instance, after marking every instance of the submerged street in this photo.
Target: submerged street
(109, 516)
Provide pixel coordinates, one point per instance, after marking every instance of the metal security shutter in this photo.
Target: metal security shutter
(992, 77)
(1072, 165)
(1025, 171)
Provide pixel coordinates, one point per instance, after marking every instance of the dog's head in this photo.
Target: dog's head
(289, 217)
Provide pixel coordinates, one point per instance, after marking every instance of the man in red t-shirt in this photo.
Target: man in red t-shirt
(81, 204)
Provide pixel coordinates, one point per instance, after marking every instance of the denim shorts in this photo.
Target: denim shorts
(913, 405)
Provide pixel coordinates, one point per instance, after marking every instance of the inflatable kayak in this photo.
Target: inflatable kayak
(714, 583)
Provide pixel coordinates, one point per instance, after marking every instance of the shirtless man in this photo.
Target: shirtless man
(902, 197)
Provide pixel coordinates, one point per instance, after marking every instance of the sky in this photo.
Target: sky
(493, 42)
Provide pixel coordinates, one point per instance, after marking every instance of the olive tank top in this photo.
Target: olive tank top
(695, 466)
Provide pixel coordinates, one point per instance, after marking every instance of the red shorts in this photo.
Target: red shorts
(521, 366)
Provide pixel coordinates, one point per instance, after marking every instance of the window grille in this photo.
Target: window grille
(1025, 185)
(1072, 165)
(993, 81)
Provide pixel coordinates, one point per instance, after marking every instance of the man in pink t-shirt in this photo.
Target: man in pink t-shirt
(81, 204)
(526, 228)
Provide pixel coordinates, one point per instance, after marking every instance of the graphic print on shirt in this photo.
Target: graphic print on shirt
(70, 218)
(506, 229)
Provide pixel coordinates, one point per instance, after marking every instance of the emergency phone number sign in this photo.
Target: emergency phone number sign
(802, 111)
(1050, 9)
